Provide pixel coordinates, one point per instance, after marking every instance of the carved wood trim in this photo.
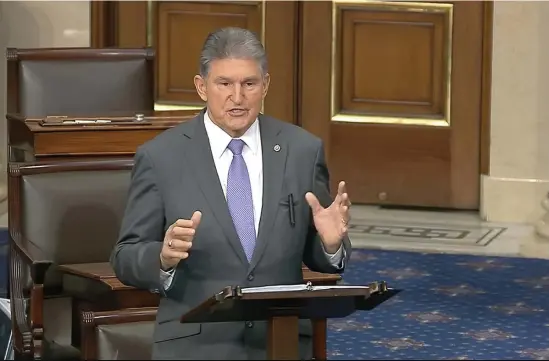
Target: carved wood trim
(486, 101)
(16, 54)
(88, 337)
(73, 166)
(37, 320)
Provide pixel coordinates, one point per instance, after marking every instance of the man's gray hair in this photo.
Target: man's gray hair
(232, 43)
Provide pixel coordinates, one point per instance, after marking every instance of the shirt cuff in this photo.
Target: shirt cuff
(166, 278)
(337, 258)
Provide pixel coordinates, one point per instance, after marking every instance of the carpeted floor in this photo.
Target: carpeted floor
(452, 307)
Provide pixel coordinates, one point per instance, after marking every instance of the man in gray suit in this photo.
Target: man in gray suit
(232, 197)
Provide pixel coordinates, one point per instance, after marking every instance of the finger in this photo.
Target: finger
(184, 223)
(179, 245)
(341, 188)
(171, 227)
(197, 216)
(182, 233)
(313, 202)
(171, 254)
(337, 199)
(344, 200)
(345, 214)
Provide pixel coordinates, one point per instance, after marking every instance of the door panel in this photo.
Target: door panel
(396, 97)
(182, 29)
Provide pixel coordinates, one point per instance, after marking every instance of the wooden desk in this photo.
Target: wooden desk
(95, 284)
(32, 139)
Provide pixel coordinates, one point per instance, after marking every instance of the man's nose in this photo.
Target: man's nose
(237, 94)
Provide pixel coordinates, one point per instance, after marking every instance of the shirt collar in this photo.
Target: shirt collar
(219, 140)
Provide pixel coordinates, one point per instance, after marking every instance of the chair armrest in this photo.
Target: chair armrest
(32, 255)
(28, 266)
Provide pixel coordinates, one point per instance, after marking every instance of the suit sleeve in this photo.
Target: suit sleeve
(136, 255)
(315, 256)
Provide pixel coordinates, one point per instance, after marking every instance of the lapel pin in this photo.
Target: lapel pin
(276, 148)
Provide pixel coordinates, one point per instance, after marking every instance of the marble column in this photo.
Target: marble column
(519, 152)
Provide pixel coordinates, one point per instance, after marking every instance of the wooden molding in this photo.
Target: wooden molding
(102, 23)
(485, 119)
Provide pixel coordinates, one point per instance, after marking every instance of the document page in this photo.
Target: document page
(297, 288)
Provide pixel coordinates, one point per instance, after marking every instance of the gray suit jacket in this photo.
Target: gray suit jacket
(174, 175)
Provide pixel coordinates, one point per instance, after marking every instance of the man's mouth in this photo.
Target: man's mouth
(237, 111)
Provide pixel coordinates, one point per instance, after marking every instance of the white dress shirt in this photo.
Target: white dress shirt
(219, 141)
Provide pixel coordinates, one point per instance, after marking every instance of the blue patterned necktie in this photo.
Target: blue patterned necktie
(239, 198)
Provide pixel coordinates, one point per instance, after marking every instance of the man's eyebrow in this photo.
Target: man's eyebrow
(222, 78)
(251, 78)
(229, 80)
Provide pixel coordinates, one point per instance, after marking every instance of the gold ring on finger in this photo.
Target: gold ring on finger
(170, 243)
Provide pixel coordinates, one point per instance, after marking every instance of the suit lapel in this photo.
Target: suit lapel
(199, 156)
(274, 150)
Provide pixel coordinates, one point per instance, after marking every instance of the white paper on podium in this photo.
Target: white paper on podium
(297, 288)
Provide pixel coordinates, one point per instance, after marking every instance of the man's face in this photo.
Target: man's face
(234, 90)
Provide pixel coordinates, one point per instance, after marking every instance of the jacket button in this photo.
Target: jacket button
(250, 277)
(249, 324)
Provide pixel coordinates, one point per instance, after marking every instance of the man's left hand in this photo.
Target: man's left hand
(331, 223)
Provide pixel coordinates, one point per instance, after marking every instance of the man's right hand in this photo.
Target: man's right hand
(178, 241)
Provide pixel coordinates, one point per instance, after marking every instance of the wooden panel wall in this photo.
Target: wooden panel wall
(333, 62)
(397, 98)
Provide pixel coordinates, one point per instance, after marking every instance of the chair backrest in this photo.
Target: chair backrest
(71, 211)
(125, 341)
(74, 81)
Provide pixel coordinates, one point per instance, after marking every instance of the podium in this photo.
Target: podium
(283, 307)
(96, 290)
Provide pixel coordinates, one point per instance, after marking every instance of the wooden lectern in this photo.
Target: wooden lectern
(284, 306)
(96, 289)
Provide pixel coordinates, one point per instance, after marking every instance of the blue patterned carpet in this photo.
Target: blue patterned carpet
(452, 307)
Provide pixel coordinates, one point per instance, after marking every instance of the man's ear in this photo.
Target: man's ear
(200, 85)
(266, 82)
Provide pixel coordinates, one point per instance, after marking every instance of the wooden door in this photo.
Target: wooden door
(394, 89)
(177, 30)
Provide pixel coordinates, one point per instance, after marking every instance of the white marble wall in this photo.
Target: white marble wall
(38, 24)
(519, 151)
